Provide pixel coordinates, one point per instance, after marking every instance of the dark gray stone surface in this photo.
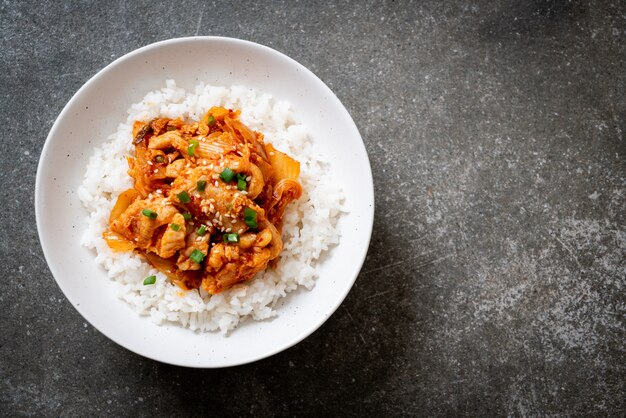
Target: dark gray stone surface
(495, 279)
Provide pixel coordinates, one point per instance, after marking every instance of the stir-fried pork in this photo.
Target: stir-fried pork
(208, 200)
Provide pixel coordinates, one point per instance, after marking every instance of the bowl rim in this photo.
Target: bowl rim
(359, 258)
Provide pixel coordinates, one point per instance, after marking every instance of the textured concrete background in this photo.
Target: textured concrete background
(495, 278)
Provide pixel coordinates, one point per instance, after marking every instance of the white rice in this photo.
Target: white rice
(309, 224)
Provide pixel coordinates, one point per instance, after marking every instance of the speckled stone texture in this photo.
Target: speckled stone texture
(496, 274)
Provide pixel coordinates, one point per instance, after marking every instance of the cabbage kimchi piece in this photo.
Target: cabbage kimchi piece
(207, 201)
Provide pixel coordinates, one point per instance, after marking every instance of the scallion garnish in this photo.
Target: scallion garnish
(149, 213)
(159, 159)
(191, 150)
(187, 216)
(201, 230)
(197, 256)
(201, 184)
(242, 184)
(229, 206)
(227, 175)
(175, 227)
(230, 238)
(149, 280)
(211, 120)
(250, 217)
(183, 197)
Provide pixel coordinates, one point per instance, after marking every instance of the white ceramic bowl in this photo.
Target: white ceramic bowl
(96, 110)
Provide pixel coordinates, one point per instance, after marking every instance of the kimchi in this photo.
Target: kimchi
(207, 201)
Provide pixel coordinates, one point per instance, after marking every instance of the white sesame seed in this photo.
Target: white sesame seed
(149, 162)
(228, 229)
(248, 178)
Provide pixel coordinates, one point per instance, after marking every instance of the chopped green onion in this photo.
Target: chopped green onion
(149, 280)
(242, 184)
(229, 206)
(231, 237)
(211, 120)
(191, 150)
(249, 213)
(201, 184)
(197, 256)
(175, 227)
(187, 216)
(227, 175)
(183, 197)
(149, 213)
(171, 128)
(250, 217)
(201, 230)
(159, 159)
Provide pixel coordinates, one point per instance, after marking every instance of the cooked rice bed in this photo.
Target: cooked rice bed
(309, 224)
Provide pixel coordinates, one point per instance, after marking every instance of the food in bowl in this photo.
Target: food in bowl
(190, 208)
(207, 200)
